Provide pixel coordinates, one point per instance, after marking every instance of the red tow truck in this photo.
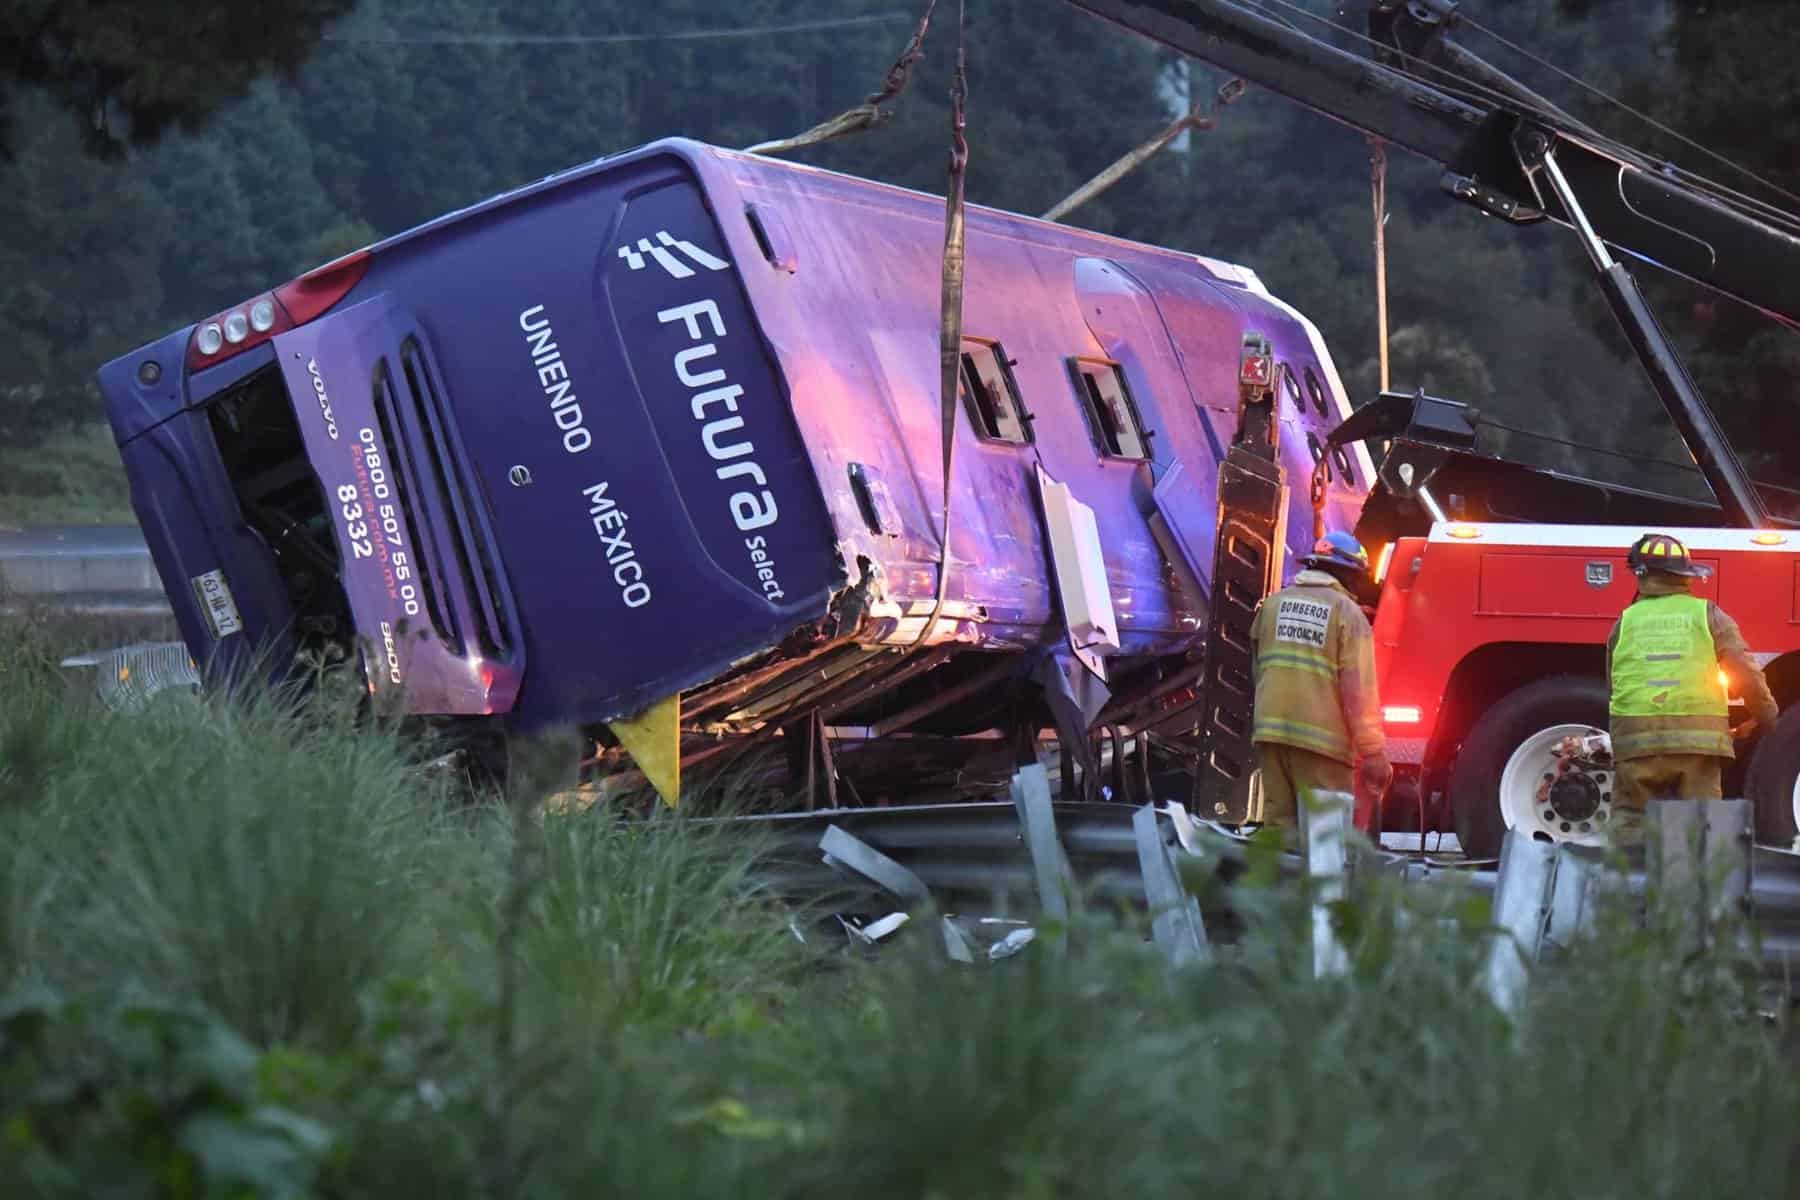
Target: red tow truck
(1496, 583)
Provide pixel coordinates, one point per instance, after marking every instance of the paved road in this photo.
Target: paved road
(66, 540)
(99, 567)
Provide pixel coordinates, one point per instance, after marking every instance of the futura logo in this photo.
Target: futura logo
(661, 250)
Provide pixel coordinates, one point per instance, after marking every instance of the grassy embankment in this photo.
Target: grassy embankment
(251, 943)
(73, 478)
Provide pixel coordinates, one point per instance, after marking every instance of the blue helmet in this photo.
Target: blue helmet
(1338, 549)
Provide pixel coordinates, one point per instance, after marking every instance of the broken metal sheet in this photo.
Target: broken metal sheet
(1011, 944)
(846, 850)
(956, 943)
(876, 930)
(127, 677)
(1078, 565)
(1185, 832)
(1175, 921)
(1055, 878)
(1076, 696)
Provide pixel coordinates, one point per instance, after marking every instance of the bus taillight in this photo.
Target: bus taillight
(311, 295)
(260, 318)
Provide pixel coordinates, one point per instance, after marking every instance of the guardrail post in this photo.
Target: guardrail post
(1699, 860)
(1175, 920)
(1574, 892)
(1544, 898)
(1055, 878)
(1522, 897)
(1324, 825)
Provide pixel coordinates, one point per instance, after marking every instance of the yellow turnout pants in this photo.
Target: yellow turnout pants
(1638, 781)
(1288, 772)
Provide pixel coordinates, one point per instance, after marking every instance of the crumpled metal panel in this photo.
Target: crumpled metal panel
(126, 678)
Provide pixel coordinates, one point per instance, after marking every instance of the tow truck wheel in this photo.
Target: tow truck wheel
(1774, 782)
(1500, 777)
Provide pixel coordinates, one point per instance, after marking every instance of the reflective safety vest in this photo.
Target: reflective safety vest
(1315, 672)
(1664, 663)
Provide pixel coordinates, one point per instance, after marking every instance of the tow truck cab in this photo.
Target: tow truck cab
(1491, 622)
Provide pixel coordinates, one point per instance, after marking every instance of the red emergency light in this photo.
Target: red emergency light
(1258, 370)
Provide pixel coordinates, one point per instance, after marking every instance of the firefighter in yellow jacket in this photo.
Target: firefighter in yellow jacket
(1671, 730)
(1317, 712)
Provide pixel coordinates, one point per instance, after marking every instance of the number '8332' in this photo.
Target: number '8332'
(356, 525)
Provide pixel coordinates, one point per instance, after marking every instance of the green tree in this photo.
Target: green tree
(82, 257)
(127, 70)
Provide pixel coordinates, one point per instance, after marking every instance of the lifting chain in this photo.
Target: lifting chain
(869, 113)
(950, 325)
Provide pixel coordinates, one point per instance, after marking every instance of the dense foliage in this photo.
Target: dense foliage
(409, 109)
(247, 948)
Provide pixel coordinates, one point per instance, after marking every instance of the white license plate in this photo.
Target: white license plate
(215, 599)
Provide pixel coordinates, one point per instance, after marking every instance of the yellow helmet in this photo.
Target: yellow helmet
(1660, 552)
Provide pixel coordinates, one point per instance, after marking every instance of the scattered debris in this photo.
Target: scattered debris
(1011, 944)
(875, 931)
(125, 679)
(845, 850)
(956, 945)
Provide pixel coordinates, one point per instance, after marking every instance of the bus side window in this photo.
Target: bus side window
(1291, 386)
(992, 395)
(1316, 390)
(1110, 412)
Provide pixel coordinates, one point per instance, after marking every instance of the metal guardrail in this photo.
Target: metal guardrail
(103, 569)
(976, 857)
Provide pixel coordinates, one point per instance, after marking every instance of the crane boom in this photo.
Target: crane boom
(1525, 162)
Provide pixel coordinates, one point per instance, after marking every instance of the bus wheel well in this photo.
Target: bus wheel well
(1490, 673)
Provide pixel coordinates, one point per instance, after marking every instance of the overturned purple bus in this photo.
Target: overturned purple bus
(664, 429)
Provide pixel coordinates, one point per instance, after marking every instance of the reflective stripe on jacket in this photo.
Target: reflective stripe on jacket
(1315, 671)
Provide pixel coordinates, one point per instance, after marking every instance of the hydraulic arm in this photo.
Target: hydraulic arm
(1512, 155)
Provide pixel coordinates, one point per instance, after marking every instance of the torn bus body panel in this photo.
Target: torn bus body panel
(644, 455)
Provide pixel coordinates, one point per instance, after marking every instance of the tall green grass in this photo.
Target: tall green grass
(72, 477)
(281, 871)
